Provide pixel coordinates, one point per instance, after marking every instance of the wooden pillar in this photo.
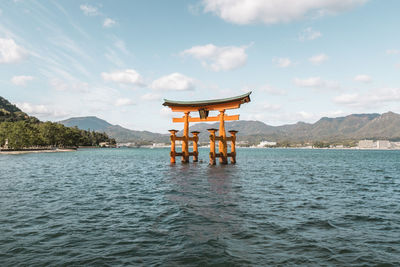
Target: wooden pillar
(173, 151)
(185, 141)
(195, 146)
(222, 147)
(233, 146)
(212, 145)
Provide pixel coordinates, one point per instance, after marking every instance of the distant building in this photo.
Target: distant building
(336, 146)
(106, 144)
(366, 144)
(383, 144)
(129, 144)
(395, 145)
(103, 144)
(266, 144)
(6, 144)
(380, 144)
(159, 145)
(178, 142)
(242, 143)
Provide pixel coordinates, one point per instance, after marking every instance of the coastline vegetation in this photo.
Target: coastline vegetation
(21, 131)
(23, 134)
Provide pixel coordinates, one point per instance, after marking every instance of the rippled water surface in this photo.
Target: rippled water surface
(130, 207)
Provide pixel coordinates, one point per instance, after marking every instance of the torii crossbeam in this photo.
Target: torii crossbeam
(204, 107)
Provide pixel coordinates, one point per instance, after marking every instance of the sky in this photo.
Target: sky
(118, 60)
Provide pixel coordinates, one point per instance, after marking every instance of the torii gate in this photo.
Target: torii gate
(204, 107)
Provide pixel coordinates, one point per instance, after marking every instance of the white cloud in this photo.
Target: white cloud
(108, 23)
(305, 115)
(363, 78)
(282, 62)
(392, 52)
(309, 82)
(114, 58)
(120, 102)
(174, 82)
(166, 112)
(62, 85)
(128, 76)
(221, 58)
(309, 34)
(10, 52)
(150, 97)
(33, 109)
(58, 84)
(333, 114)
(271, 90)
(253, 116)
(89, 10)
(271, 107)
(113, 54)
(21, 80)
(40, 110)
(120, 44)
(318, 59)
(347, 99)
(275, 11)
(316, 83)
(373, 98)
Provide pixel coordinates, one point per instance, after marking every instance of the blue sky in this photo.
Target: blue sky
(117, 60)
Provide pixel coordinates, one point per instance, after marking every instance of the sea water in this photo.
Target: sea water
(111, 207)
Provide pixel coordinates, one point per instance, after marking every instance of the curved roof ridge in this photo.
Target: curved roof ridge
(245, 98)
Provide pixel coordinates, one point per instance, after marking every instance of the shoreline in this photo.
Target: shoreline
(17, 152)
(300, 148)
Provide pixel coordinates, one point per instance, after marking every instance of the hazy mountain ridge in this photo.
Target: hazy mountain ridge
(87, 123)
(386, 126)
(351, 127)
(118, 132)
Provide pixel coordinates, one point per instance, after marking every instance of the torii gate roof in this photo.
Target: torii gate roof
(241, 99)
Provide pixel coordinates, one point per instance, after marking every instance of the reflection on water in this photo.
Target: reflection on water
(130, 207)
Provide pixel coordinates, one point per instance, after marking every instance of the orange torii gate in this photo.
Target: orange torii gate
(204, 107)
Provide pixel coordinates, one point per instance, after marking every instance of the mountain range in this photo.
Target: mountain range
(351, 127)
(118, 132)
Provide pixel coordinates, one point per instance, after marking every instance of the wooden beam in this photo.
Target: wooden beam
(230, 105)
(181, 154)
(226, 118)
(232, 154)
(182, 138)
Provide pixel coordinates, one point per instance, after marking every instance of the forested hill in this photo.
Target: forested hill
(23, 131)
(5, 105)
(10, 112)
